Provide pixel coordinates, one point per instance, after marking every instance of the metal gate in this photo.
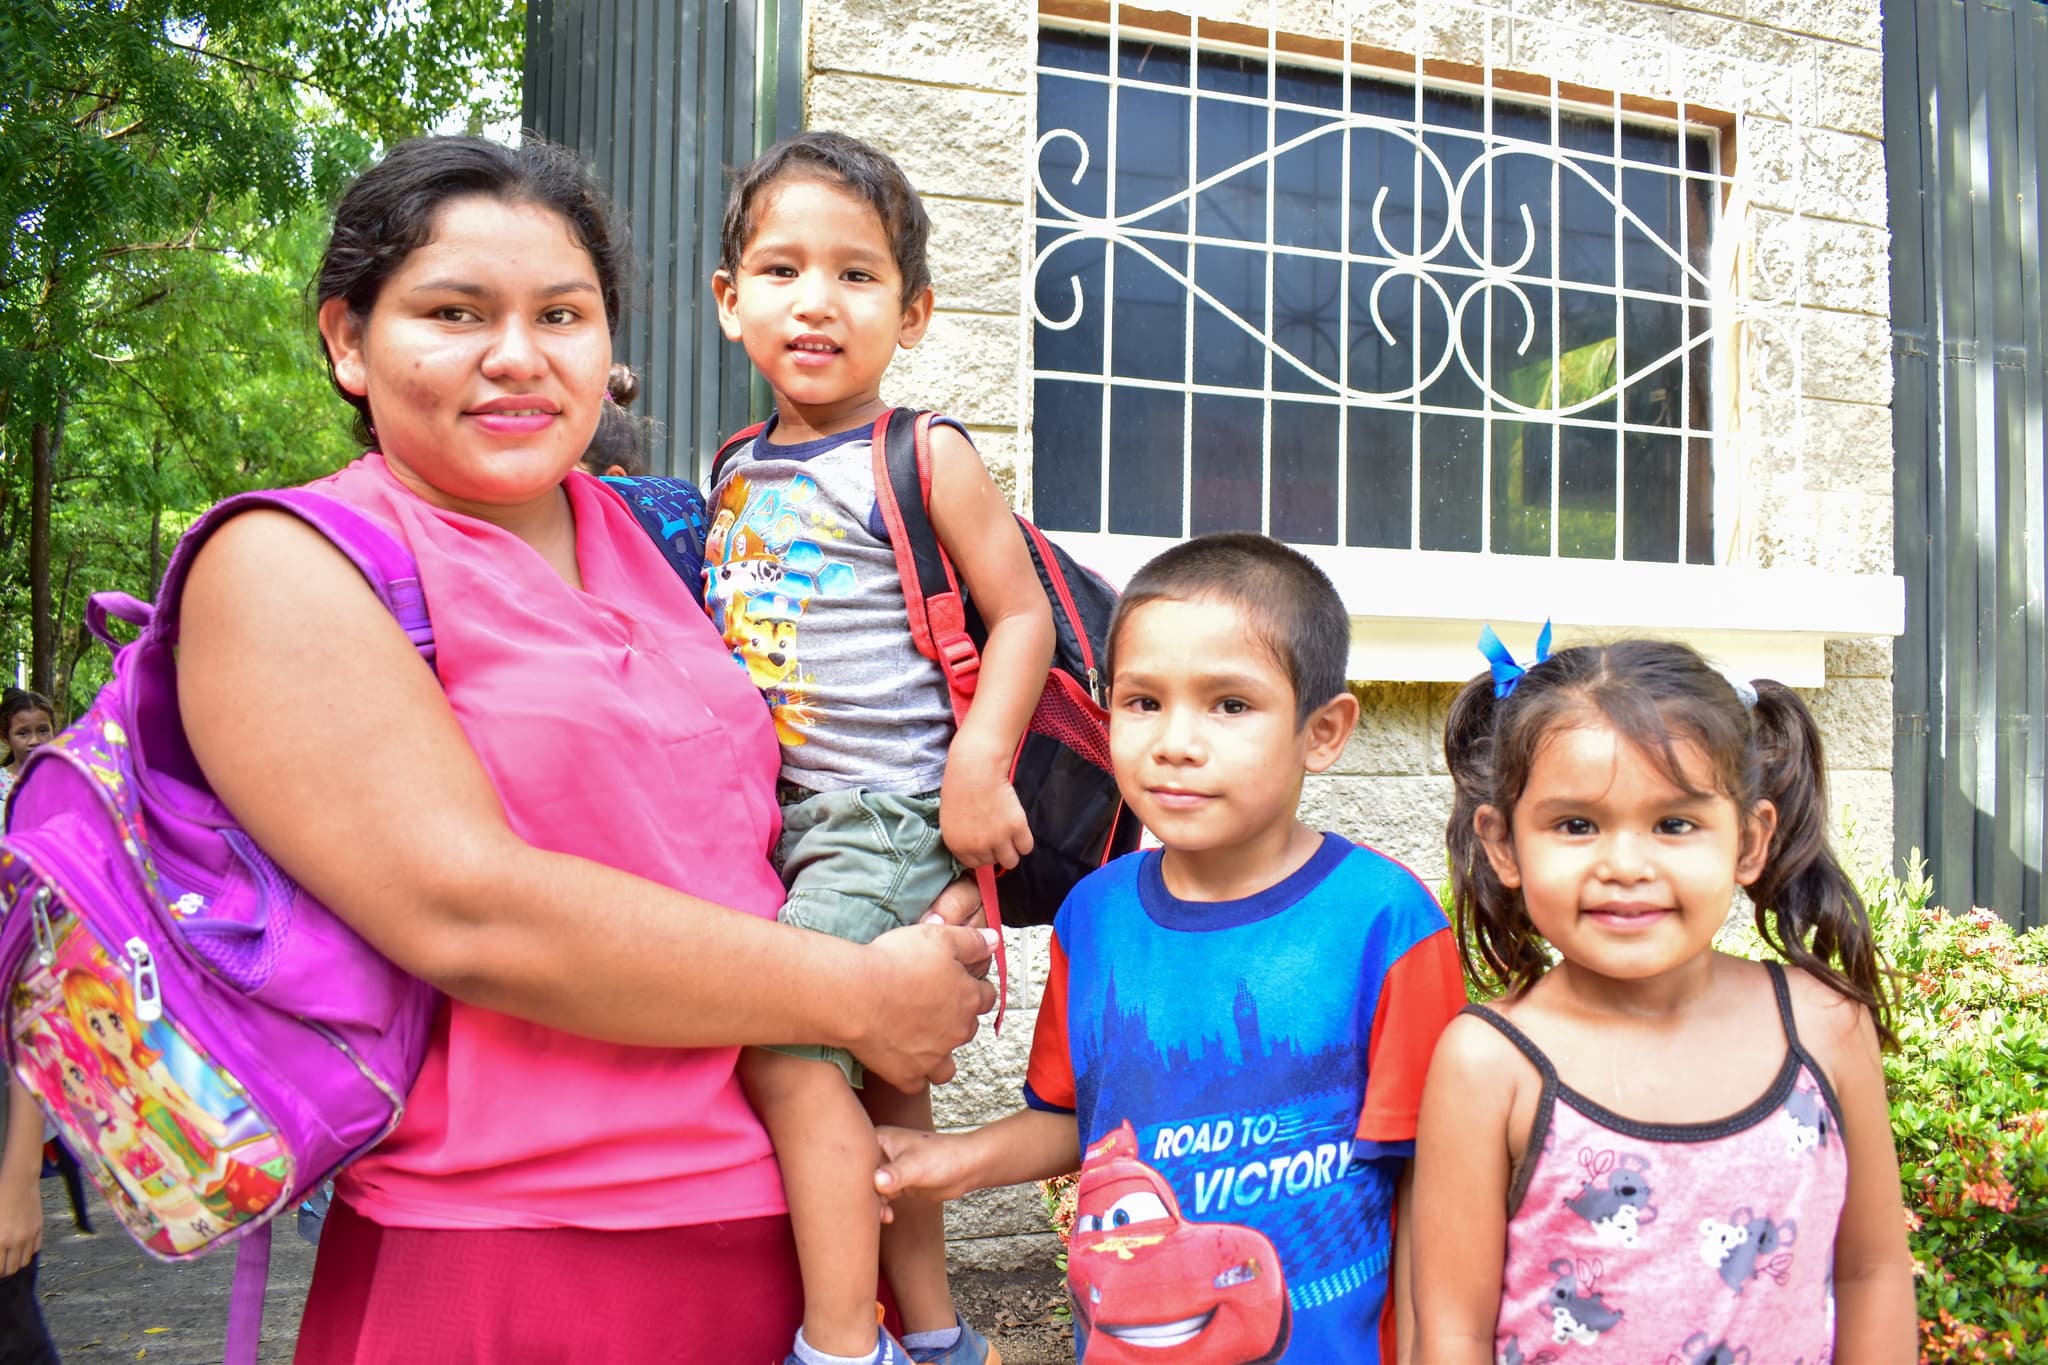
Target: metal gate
(664, 95)
(1966, 128)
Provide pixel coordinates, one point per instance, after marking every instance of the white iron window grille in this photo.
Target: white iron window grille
(1357, 308)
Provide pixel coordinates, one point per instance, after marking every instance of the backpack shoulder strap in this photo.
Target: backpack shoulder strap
(931, 597)
(731, 444)
(385, 564)
(931, 590)
(671, 512)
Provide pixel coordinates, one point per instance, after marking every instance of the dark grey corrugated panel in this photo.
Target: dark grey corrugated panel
(1965, 131)
(661, 96)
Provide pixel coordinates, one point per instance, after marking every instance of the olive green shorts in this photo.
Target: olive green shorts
(858, 863)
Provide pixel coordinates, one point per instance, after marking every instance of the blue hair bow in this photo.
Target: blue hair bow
(1506, 672)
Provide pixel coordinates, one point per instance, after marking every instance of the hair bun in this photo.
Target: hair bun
(622, 384)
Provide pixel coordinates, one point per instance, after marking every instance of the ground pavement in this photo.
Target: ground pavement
(106, 1301)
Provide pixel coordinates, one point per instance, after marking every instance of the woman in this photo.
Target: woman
(567, 832)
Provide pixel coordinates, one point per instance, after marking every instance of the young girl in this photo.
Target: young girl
(1645, 1149)
(28, 722)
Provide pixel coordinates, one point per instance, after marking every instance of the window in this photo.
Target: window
(1357, 311)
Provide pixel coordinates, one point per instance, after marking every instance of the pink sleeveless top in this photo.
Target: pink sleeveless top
(1675, 1243)
(616, 728)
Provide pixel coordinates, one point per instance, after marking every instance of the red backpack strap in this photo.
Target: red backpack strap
(931, 596)
(931, 590)
(732, 443)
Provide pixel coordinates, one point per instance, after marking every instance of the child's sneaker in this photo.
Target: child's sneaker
(971, 1349)
(892, 1354)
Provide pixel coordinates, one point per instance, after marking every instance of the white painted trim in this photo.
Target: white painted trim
(1416, 613)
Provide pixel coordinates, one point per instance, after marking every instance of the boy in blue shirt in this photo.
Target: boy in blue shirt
(1235, 1027)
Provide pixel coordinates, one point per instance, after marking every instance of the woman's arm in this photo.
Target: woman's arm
(1875, 1319)
(978, 813)
(1459, 1218)
(320, 727)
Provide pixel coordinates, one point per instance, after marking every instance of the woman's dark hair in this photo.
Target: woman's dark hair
(388, 213)
(620, 440)
(14, 702)
(1656, 694)
(868, 173)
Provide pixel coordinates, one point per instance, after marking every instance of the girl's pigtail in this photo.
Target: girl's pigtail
(1807, 908)
(1496, 943)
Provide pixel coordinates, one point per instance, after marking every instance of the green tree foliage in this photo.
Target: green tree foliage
(164, 169)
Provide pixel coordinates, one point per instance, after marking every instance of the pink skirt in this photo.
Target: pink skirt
(714, 1294)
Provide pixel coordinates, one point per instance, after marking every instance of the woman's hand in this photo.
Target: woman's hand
(959, 903)
(924, 988)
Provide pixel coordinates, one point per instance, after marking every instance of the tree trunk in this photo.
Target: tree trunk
(42, 667)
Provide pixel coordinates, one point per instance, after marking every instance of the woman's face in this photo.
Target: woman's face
(483, 359)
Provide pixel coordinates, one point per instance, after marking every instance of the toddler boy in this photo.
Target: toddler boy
(822, 278)
(1236, 1027)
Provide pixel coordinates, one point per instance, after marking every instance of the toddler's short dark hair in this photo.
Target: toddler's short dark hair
(1287, 602)
(867, 172)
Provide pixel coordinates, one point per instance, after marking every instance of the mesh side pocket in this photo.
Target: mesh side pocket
(1066, 715)
(246, 954)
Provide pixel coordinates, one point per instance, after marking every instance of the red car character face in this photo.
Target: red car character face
(1150, 1286)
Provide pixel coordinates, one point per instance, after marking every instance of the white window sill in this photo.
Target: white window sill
(1415, 614)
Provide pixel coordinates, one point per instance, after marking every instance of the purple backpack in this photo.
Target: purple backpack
(210, 1040)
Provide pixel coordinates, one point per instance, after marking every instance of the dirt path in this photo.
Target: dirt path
(106, 1301)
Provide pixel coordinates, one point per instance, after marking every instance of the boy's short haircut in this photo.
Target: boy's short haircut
(1287, 602)
(869, 173)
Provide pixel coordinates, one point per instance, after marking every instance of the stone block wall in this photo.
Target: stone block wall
(1803, 376)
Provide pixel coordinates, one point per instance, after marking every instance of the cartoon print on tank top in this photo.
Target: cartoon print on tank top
(1579, 1310)
(762, 568)
(1511, 1353)
(1615, 1198)
(1748, 1247)
(1807, 1117)
(1700, 1350)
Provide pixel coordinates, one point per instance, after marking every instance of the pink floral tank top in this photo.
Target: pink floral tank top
(1675, 1243)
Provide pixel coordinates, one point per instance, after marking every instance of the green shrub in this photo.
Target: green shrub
(1969, 1097)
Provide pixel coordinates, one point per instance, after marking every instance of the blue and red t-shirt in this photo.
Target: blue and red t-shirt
(1246, 1076)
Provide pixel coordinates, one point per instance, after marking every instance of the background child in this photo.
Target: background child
(28, 721)
(1652, 1150)
(822, 278)
(618, 448)
(1235, 1027)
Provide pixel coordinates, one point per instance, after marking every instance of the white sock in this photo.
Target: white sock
(811, 1355)
(942, 1340)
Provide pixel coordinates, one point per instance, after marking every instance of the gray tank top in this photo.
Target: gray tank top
(800, 580)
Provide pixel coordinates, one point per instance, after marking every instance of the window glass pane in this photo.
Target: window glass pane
(1153, 63)
(1084, 115)
(1308, 182)
(1652, 348)
(1304, 497)
(1308, 317)
(1585, 493)
(1650, 259)
(1452, 466)
(1521, 488)
(1381, 447)
(1228, 150)
(1145, 444)
(1148, 336)
(1699, 501)
(1066, 462)
(1072, 51)
(1232, 73)
(1226, 354)
(1650, 465)
(1152, 159)
(1227, 452)
(1069, 285)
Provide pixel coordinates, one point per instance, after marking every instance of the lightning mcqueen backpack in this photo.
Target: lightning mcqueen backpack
(210, 1040)
(1061, 771)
